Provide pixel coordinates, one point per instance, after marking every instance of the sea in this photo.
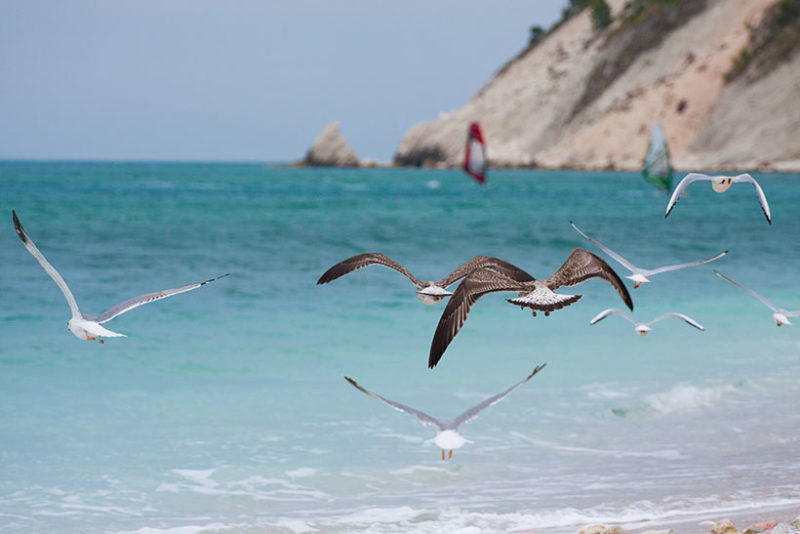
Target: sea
(225, 409)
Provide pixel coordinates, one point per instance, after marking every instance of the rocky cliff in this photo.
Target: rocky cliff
(585, 98)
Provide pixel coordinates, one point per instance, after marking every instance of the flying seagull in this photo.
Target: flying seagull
(447, 436)
(89, 327)
(780, 315)
(639, 275)
(720, 184)
(428, 291)
(535, 294)
(644, 328)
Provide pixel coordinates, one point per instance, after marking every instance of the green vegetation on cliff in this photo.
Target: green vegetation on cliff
(643, 24)
(772, 41)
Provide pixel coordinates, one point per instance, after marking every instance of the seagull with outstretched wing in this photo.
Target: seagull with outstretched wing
(428, 291)
(644, 328)
(638, 275)
(780, 315)
(89, 327)
(720, 184)
(447, 436)
(534, 294)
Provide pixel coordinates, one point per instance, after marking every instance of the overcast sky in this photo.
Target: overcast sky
(242, 80)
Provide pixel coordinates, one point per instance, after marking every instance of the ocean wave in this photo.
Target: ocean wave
(254, 487)
(681, 398)
(666, 454)
(640, 514)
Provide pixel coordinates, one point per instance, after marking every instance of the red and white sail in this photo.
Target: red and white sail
(475, 162)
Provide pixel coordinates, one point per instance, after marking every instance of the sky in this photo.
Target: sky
(242, 80)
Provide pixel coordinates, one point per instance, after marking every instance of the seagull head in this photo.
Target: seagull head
(780, 318)
(720, 184)
(638, 279)
(642, 329)
(432, 294)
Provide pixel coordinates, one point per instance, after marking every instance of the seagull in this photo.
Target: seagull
(89, 327)
(428, 291)
(447, 436)
(720, 184)
(535, 294)
(644, 328)
(780, 315)
(638, 275)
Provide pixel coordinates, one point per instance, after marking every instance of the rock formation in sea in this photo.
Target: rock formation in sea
(722, 77)
(331, 150)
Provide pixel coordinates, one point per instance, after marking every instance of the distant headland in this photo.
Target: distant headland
(722, 77)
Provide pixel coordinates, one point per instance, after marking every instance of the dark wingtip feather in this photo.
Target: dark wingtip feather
(536, 370)
(435, 354)
(331, 274)
(204, 282)
(18, 227)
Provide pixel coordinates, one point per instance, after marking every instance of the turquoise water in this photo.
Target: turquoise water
(225, 410)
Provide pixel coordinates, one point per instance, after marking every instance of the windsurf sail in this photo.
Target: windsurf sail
(475, 163)
(657, 166)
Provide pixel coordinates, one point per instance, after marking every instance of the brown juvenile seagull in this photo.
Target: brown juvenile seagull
(428, 291)
(535, 294)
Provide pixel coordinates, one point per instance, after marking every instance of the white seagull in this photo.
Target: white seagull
(638, 275)
(644, 328)
(89, 327)
(780, 315)
(447, 436)
(720, 184)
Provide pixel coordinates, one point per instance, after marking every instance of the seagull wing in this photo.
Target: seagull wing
(609, 312)
(676, 194)
(667, 268)
(583, 265)
(135, 302)
(422, 416)
(679, 316)
(364, 260)
(477, 284)
(509, 269)
(762, 199)
(756, 295)
(622, 261)
(62, 285)
(473, 412)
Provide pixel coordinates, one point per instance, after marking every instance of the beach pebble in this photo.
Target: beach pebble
(781, 528)
(760, 527)
(724, 526)
(600, 529)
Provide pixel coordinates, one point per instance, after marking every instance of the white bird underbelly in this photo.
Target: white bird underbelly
(449, 440)
(88, 330)
(780, 318)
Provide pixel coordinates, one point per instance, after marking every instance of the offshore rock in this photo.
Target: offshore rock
(331, 150)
